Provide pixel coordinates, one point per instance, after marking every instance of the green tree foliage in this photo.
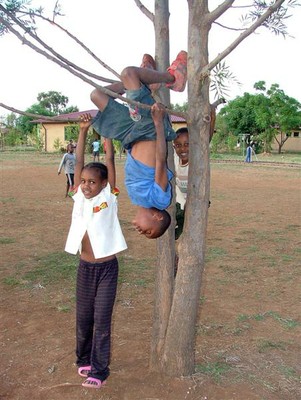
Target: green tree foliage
(180, 107)
(55, 103)
(264, 115)
(71, 132)
(49, 104)
(24, 122)
(286, 114)
(13, 135)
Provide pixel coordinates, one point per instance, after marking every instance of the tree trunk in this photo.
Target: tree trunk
(178, 358)
(176, 308)
(165, 244)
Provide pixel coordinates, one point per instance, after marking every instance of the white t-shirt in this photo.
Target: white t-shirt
(181, 172)
(98, 217)
(96, 145)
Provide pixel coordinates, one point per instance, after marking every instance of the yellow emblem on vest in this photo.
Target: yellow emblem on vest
(100, 207)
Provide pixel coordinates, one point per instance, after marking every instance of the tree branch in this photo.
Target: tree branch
(218, 102)
(144, 10)
(42, 43)
(62, 62)
(241, 37)
(228, 27)
(79, 42)
(30, 114)
(220, 10)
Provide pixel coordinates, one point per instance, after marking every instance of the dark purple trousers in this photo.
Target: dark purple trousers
(95, 297)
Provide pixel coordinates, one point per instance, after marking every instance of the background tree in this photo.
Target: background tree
(285, 113)
(13, 136)
(49, 104)
(177, 301)
(55, 103)
(267, 116)
(180, 107)
(24, 122)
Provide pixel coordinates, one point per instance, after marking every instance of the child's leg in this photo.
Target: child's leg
(175, 77)
(133, 76)
(85, 296)
(103, 308)
(101, 99)
(67, 185)
(67, 189)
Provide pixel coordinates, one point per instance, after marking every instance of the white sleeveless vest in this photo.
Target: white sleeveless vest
(98, 217)
(181, 181)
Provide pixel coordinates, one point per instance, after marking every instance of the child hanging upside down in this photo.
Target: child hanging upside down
(143, 133)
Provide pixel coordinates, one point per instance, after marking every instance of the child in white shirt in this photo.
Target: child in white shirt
(96, 233)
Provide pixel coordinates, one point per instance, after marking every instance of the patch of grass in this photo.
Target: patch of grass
(240, 329)
(11, 281)
(215, 252)
(239, 240)
(5, 200)
(140, 282)
(288, 372)
(286, 257)
(266, 345)
(216, 370)
(272, 262)
(293, 227)
(258, 317)
(64, 308)
(253, 249)
(223, 281)
(210, 329)
(135, 271)
(287, 323)
(243, 318)
(6, 240)
(52, 269)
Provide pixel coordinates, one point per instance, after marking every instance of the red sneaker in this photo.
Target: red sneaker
(150, 63)
(178, 70)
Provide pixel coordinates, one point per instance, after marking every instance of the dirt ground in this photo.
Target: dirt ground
(249, 329)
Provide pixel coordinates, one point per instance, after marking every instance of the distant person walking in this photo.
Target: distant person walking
(249, 154)
(96, 148)
(68, 162)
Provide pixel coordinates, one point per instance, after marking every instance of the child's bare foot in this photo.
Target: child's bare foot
(150, 63)
(178, 70)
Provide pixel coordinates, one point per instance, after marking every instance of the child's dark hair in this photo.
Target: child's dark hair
(163, 224)
(179, 131)
(103, 170)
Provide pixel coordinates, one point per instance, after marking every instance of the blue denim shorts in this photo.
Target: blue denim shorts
(114, 122)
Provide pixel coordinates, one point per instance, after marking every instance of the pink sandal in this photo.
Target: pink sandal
(93, 383)
(83, 371)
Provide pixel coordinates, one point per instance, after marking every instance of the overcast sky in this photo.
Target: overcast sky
(117, 32)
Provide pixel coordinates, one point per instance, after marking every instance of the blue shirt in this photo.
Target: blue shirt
(141, 186)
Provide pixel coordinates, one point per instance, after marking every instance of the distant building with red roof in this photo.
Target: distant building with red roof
(54, 131)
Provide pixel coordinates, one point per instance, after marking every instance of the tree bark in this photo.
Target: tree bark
(165, 244)
(179, 354)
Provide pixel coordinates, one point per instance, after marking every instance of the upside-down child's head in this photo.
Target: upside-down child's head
(94, 178)
(151, 222)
